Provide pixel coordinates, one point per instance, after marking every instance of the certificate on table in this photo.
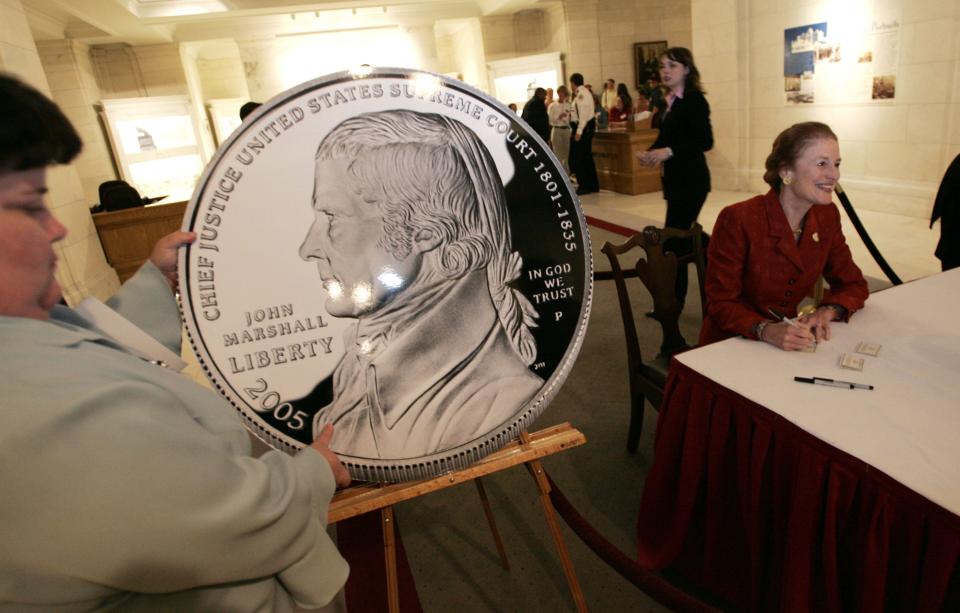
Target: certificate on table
(908, 425)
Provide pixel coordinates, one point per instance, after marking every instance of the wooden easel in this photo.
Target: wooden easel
(528, 450)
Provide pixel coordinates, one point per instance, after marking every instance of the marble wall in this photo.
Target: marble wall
(74, 87)
(601, 33)
(461, 51)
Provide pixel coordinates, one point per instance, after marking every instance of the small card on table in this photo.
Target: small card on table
(851, 361)
(868, 348)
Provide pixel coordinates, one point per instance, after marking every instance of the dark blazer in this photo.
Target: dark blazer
(535, 114)
(686, 130)
(754, 264)
(946, 208)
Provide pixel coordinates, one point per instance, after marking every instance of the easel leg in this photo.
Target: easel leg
(492, 522)
(536, 470)
(390, 557)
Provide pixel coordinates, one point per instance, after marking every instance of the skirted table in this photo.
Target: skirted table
(771, 494)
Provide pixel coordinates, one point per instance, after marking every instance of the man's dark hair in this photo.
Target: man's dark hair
(577, 79)
(247, 108)
(34, 132)
(540, 93)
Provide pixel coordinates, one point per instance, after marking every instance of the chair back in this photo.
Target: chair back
(657, 270)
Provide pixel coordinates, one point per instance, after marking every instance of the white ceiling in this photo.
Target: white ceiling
(157, 21)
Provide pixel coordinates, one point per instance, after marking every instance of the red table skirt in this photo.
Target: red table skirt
(764, 516)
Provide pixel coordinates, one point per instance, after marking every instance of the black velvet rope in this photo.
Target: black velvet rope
(651, 583)
(865, 236)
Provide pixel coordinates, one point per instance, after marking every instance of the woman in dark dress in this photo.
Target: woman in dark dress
(685, 135)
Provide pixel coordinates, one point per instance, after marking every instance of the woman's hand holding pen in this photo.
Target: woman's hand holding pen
(789, 336)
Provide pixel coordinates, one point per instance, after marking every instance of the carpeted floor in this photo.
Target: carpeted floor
(451, 552)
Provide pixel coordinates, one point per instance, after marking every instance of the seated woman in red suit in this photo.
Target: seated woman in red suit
(619, 112)
(767, 252)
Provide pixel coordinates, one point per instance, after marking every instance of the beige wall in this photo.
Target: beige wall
(124, 71)
(601, 33)
(223, 78)
(73, 86)
(82, 269)
(117, 71)
(161, 69)
(894, 151)
(272, 65)
(460, 51)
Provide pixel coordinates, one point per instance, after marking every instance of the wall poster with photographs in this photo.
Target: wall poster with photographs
(646, 61)
(834, 65)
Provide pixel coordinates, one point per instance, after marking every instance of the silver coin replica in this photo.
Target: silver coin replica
(394, 253)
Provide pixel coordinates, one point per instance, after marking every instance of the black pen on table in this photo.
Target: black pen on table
(833, 383)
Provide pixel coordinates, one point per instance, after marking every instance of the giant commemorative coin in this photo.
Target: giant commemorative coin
(394, 253)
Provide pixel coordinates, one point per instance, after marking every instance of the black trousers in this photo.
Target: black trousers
(681, 213)
(581, 157)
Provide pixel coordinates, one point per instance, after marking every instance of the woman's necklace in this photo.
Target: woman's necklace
(798, 230)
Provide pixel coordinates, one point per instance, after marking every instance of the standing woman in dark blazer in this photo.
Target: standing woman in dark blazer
(685, 134)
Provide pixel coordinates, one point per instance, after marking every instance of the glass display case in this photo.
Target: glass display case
(156, 144)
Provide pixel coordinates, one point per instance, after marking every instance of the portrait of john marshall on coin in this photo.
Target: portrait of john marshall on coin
(411, 239)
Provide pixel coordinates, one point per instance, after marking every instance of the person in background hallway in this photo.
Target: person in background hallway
(608, 99)
(641, 103)
(583, 126)
(247, 108)
(535, 114)
(125, 485)
(513, 107)
(685, 135)
(549, 100)
(946, 208)
(657, 103)
(766, 253)
(619, 113)
(559, 115)
(603, 117)
(623, 94)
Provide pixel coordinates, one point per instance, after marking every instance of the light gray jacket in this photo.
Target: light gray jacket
(125, 485)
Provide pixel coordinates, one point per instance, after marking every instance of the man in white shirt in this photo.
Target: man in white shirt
(583, 125)
(559, 113)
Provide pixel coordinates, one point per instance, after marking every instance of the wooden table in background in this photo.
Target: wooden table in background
(128, 236)
(615, 155)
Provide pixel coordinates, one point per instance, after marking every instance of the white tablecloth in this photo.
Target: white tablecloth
(909, 425)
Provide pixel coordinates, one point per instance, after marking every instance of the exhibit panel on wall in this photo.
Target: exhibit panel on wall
(847, 60)
(156, 144)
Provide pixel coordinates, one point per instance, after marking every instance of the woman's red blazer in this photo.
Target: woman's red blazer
(755, 264)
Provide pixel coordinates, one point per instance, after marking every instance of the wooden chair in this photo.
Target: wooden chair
(657, 270)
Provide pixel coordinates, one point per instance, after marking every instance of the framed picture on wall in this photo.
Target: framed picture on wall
(646, 60)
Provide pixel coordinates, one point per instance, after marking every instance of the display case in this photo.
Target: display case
(156, 144)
